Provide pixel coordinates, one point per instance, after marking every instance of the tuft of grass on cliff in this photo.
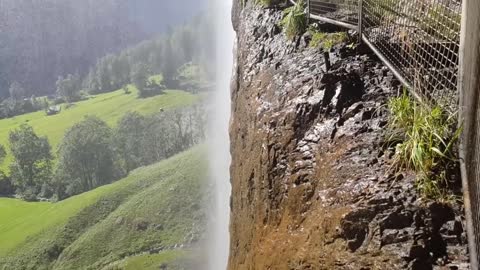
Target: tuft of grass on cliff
(327, 41)
(266, 3)
(155, 207)
(424, 137)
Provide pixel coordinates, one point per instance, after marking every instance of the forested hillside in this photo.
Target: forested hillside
(41, 40)
(171, 54)
(45, 166)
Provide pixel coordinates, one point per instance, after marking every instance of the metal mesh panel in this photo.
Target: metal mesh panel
(421, 40)
(340, 10)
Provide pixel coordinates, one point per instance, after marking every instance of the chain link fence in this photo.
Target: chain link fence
(418, 39)
(340, 10)
(421, 41)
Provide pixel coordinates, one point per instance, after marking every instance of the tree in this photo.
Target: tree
(17, 92)
(120, 71)
(126, 89)
(32, 163)
(129, 137)
(158, 138)
(139, 76)
(168, 133)
(6, 187)
(170, 65)
(104, 75)
(69, 87)
(86, 156)
(3, 153)
(90, 82)
(187, 42)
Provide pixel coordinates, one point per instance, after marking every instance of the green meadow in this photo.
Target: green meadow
(155, 206)
(110, 107)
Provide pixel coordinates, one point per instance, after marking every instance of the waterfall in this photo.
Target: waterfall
(220, 142)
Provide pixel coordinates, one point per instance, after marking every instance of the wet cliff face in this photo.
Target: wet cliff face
(311, 181)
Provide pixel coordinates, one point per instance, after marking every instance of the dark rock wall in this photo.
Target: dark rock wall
(312, 185)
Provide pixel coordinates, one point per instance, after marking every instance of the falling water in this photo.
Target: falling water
(220, 143)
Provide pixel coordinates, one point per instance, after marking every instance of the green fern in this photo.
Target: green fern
(294, 20)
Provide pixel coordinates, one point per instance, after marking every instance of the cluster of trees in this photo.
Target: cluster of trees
(32, 164)
(44, 39)
(68, 88)
(93, 154)
(144, 140)
(146, 87)
(172, 54)
(18, 103)
(191, 43)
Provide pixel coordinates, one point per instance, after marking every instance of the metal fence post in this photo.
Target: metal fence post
(469, 91)
(360, 21)
(308, 12)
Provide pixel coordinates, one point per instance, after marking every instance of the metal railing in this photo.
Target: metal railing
(345, 11)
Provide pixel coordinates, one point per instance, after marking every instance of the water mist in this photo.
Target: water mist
(220, 143)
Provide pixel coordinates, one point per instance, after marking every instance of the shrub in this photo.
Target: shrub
(152, 88)
(294, 20)
(126, 89)
(427, 136)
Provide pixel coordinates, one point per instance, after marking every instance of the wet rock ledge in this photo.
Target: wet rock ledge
(311, 178)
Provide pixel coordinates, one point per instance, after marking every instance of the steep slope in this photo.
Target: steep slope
(155, 208)
(311, 181)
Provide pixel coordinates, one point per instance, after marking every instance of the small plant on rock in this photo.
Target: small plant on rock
(327, 41)
(425, 138)
(294, 20)
(265, 3)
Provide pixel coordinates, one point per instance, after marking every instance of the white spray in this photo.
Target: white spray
(220, 143)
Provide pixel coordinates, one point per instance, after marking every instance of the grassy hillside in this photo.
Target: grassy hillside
(169, 259)
(148, 261)
(109, 107)
(156, 207)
